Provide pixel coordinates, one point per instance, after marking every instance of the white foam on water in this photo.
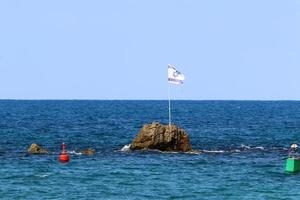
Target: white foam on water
(280, 148)
(260, 148)
(43, 175)
(245, 146)
(197, 152)
(235, 151)
(74, 152)
(168, 152)
(126, 147)
(213, 151)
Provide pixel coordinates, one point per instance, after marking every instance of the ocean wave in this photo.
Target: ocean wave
(194, 152)
(239, 149)
(259, 147)
(243, 148)
(213, 151)
(126, 147)
(43, 175)
(74, 153)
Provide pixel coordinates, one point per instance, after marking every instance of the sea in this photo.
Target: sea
(245, 145)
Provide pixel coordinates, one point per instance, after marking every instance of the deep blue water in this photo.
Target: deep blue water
(246, 145)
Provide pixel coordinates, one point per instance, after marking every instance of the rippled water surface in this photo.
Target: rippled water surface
(245, 143)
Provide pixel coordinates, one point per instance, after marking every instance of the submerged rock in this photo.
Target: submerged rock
(162, 137)
(36, 149)
(88, 152)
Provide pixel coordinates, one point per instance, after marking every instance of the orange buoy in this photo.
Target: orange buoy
(64, 156)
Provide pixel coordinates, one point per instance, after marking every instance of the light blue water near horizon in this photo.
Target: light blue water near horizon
(246, 144)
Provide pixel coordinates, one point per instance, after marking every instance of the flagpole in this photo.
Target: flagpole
(169, 104)
(174, 77)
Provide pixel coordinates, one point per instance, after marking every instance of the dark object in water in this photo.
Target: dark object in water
(37, 149)
(64, 156)
(293, 162)
(88, 152)
(292, 165)
(162, 137)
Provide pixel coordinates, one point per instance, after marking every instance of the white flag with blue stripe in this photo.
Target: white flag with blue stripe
(174, 76)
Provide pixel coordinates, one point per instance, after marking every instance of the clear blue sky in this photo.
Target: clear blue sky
(120, 49)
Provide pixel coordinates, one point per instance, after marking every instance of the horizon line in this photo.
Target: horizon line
(70, 99)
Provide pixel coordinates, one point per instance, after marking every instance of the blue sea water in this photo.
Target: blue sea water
(245, 142)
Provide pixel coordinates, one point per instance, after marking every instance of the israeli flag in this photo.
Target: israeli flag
(174, 76)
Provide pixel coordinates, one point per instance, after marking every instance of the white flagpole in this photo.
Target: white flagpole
(169, 104)
(175, 77)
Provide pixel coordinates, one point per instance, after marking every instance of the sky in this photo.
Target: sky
(120, 49)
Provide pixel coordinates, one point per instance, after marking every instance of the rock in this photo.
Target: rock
(162, 137)
(88, 152)
(36, 149)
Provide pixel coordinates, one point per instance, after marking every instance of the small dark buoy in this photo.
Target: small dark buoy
(64, 156)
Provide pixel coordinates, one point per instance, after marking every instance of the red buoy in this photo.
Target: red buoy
(64, 156)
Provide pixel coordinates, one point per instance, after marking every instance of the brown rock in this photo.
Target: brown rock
(36, 149)
(162, 137)
(88, 152)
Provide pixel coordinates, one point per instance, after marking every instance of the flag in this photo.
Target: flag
(174, 76)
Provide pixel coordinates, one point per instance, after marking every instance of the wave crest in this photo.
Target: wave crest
(126, 147)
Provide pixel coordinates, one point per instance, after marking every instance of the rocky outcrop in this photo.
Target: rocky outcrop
(88, 152)
(162, 137)
(36, 149)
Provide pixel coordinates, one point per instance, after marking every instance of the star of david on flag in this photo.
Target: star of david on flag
(174, 76)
